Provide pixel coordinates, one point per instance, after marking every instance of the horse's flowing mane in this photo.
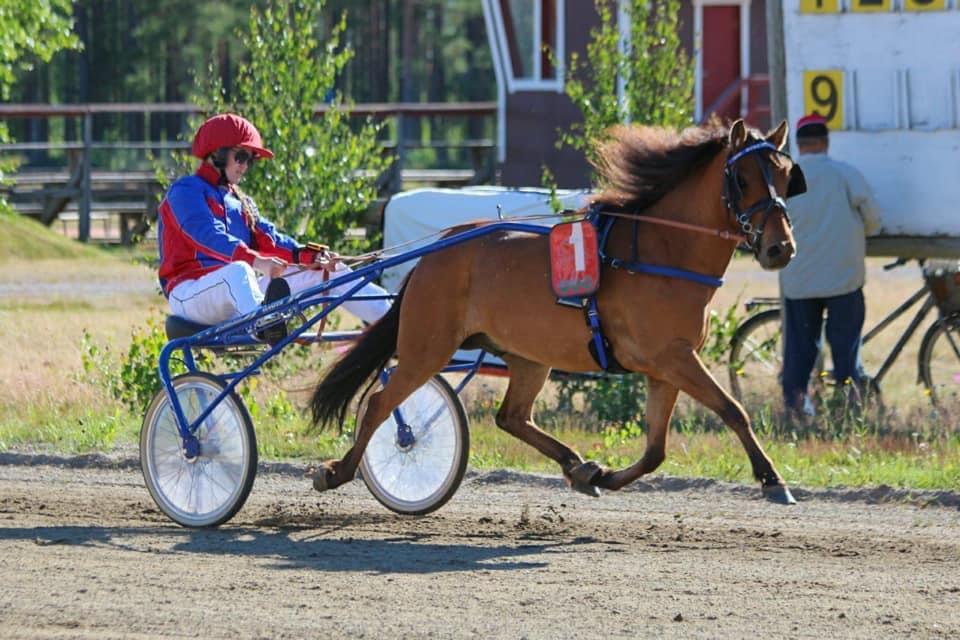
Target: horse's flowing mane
(638, 164)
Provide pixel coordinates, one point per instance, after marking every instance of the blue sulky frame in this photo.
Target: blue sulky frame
(240, 332)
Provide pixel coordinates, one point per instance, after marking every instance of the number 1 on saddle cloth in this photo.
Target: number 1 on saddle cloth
(574, 259)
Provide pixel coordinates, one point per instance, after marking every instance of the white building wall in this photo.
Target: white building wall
(898, 121)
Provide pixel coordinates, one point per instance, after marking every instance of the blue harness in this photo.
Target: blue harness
(599, 346)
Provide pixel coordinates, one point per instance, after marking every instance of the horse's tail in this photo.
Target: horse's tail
(369, 355)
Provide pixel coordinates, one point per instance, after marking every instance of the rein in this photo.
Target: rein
(720, 233)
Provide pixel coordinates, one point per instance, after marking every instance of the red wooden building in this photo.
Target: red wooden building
(726, 40)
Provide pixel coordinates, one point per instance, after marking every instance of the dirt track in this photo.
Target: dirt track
(85, 554)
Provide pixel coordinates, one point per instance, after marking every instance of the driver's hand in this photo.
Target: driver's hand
(271, 266)
(326, 260)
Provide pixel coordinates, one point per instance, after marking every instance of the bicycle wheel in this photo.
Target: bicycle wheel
(939, 360)
(210, 488)
(420, 477)
(756, 357)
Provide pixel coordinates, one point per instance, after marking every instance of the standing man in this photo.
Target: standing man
(830, 224)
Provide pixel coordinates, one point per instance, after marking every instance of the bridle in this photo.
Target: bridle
(732, 193)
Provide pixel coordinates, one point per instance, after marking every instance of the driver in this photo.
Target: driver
(219, 258)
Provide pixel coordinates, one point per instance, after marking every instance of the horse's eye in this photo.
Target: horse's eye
(741, 183)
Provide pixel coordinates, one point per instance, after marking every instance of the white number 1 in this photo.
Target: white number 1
(579, 257)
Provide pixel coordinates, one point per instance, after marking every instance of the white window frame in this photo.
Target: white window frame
(698, 6)
(501, 49)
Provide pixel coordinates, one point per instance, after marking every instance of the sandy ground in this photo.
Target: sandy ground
(86, 554)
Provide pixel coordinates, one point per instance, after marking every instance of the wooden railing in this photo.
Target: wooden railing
(80, 189)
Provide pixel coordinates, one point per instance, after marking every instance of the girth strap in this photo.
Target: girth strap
(599, 347)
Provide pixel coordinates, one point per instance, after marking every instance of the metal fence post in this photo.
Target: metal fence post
(83, 231)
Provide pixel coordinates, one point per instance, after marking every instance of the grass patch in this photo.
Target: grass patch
(56, 306)
(901, 461)
(26, 239)
(74, 429)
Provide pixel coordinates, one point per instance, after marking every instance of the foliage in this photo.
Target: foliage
(653, 71)
(30, 30)
(606, 399)
(133, 380)
(322, 175)
(720, 330)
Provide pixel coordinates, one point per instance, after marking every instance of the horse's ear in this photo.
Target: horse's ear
(778, 137)
(738, 134)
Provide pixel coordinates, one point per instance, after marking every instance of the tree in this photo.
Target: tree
(646, 80)
(30, 30)
(652, 68)
(322, 175)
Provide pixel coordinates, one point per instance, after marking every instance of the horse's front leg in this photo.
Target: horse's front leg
(681, 366)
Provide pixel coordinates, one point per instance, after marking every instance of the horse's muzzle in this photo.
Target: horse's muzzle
(777, 255)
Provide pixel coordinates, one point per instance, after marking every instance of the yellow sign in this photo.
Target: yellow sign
(923, 5)
(866, 6)
(825, 6)
(823, 94)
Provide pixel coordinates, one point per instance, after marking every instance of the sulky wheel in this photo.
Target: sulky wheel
(415, 471)
(207, 489)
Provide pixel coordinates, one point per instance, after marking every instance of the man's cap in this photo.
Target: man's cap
(812, 125)
(228, 130)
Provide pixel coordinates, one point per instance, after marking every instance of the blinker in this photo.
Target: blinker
(798, 183)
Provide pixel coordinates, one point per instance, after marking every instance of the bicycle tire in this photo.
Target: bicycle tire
(212, 487)
(421, 478)
(939, 360)
(756, 359)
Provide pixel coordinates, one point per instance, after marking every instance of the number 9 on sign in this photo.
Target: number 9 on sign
(823, 94)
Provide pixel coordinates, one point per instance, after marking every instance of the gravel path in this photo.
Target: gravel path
(86, 554)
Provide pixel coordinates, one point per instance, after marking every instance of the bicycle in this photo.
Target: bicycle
(755, 360)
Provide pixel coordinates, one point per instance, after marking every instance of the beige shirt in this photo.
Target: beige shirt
(830, 224)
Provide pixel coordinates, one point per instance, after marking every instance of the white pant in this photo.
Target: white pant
(234, 290)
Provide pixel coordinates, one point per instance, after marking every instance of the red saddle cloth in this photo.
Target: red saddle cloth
(574, 259)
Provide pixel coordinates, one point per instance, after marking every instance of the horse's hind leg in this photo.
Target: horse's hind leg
(516, 418)
(425, 343)
(403, 381)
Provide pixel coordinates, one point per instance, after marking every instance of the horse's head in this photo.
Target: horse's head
(758, 177)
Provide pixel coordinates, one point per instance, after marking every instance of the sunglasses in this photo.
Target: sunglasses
(242, 156)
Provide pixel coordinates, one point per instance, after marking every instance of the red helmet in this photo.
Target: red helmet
(228, 130)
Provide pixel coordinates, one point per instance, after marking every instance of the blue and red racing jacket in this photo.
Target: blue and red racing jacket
(202, 227)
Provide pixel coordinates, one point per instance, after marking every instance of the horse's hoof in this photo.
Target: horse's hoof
(581, 478)
(778, 493)
(320, 479)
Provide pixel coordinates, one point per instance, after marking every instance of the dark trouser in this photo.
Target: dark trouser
(803, 325)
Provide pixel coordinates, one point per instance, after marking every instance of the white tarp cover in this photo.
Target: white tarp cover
(412, 218)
